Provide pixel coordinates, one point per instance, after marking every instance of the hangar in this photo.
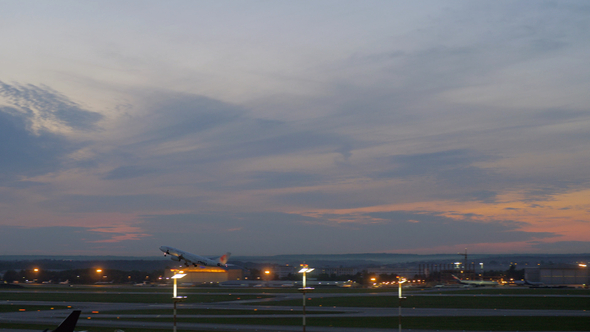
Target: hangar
(200, 275)
(559, 274)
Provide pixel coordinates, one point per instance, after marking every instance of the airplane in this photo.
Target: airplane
(68, 324)
(537, 284)
(534, 283)
(475, 283)
(524, 282)
(196, 260)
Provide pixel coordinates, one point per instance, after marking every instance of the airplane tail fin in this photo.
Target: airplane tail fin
(455, 277)
(69, 323)
(223, 259)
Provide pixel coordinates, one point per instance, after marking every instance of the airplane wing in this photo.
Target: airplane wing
(457, 279)
(69, 323)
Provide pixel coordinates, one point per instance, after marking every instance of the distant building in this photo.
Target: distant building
(560, 274)
(338, 271)
(279, 271)
(284, 271)
(408, 272)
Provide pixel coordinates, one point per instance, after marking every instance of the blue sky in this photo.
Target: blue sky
(278, 127)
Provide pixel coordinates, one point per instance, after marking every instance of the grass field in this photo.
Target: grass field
(246, 311)
(483, 302)
(121, 298)
(430, 323)
(468, 298)
(41, 327)
(189, 290)
(523, 291)
(328, 290)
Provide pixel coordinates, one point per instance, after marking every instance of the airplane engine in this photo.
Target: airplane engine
(175, 258)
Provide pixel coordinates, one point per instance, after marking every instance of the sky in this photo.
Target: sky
(294, 127)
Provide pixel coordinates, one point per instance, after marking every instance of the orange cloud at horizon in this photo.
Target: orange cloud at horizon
(565, 215)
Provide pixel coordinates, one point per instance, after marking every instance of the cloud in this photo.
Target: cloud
(267, 232)
(452, 172)
(194, 135)
(441, 163)
(26, 154)
(46, 108)
(348, 198)
(127, 172)
(33, 131)
(118, 203)
(435, 229)
(63, 239)
(270, 180)
(174, 116)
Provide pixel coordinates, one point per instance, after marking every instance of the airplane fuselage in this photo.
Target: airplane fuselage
(192, 259)
(476, 283)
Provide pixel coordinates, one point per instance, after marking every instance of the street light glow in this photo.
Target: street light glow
(175, 289)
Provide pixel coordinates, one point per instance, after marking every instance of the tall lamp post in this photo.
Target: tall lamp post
(98, 274)
(267, 277)
(481, 265)
(177, 298)
(400, 298)
(305, 269)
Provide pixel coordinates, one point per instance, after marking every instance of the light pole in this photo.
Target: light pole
(177, 298)
(98, 274)
(305, 269)
(267, 277)
(400, 281)
(481, 264)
